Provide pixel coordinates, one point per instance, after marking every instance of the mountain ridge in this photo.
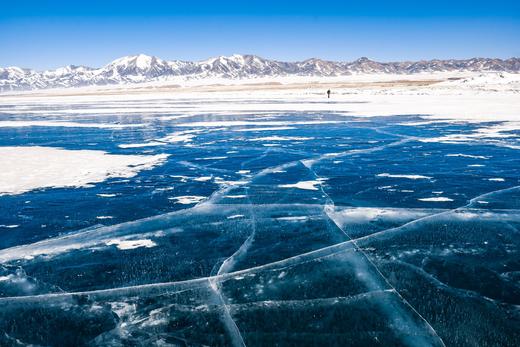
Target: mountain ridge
(144, 68)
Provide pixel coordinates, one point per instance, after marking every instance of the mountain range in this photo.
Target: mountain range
(143, 68)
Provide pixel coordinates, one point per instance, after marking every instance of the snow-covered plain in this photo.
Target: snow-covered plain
(461, 96)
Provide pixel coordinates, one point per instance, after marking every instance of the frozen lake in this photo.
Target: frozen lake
(264, 226)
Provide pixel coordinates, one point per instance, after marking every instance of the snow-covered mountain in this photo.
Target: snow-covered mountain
(142, 68)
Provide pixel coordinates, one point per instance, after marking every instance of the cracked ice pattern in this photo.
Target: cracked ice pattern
(313, 229)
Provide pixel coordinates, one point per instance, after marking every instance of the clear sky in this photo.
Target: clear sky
(47, 34)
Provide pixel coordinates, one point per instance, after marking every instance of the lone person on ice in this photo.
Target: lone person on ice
(328, 94)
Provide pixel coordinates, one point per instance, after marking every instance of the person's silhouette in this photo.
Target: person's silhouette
(328, 94)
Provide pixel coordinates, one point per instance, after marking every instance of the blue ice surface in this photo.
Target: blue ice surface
(263, 261)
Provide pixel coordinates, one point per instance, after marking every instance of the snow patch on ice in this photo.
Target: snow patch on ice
(48, 123)
(235, 216)
(411, 177)
(188, 199)
(436, 199)
(306, 185)
(281, 138)
(265, 129)
(140, 145)
(131, 244)
(293, 218)
(28, 168)
(467, 156)
(104, 195)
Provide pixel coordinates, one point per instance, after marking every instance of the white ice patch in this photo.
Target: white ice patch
(265, 129)
(358, 215)
(281, 138)
(203, 178)
(220, 180)
(211, 158)
(104, 217)
(411, 177)
(188, 199)
(9, 226)
(500, 131)
(17, 124)
(181, 136)
(104, 195)
(293, 218)
(28, 168)
(140, 145)
(496, 179)
(307, 185)
(236, 196)
(235, 216)
(436, 199)
(131, 244)
(467, 156)
(235, 123)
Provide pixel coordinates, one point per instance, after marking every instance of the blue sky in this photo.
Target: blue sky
(48, 34)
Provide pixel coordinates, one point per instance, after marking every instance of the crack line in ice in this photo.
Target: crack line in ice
(429, 277)
(229, 324)
(394, 316)
(197, 282)
(227, 266)
(306, 161)
(428, 217)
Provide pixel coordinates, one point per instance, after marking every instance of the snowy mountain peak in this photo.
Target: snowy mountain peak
(141, 61)
(363, 60)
